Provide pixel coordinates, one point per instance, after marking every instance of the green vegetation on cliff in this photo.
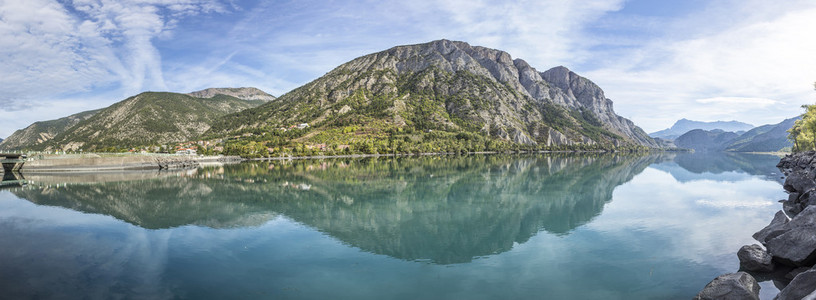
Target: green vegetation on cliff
(150, 118)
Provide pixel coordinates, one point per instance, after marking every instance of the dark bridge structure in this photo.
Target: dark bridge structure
(12, 162)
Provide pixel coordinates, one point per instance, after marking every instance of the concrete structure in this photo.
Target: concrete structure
(12, 180)
(12, 161)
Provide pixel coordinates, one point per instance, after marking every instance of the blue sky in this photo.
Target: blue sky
(659, 61)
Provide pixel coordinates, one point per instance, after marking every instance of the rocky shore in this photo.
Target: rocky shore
(787, 250)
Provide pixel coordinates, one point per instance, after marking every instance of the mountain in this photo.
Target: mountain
(441, 91)
(766, 138)
(148, 118)
(705, 140)
(683, 125)
(41, 132)
(243, 93)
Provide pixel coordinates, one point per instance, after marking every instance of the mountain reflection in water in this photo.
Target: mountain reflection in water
(560, 226)
(440, 209)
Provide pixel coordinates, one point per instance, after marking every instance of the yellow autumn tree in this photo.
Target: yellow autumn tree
(803, 132)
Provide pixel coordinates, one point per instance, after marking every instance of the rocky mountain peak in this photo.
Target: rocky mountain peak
(478, 89)
(559, 77)
(243, 93)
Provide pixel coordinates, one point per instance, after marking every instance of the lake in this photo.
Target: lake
(555, 226)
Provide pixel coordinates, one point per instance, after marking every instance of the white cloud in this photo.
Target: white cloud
(759, 68)
(544, 33)
(756, 102)
(48, 50)
(671, 67)
(42, 53)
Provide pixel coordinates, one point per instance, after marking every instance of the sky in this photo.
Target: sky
(659, 61)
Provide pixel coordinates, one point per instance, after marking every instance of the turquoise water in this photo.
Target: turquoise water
(597, 226)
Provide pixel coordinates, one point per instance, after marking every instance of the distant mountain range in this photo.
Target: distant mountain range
(684, 125)
(766, 138)
(150, 118)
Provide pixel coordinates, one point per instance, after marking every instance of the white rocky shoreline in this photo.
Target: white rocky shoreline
(787, 253)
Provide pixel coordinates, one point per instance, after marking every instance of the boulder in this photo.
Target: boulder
(795, 247)
(799, 181)
(791, 208)
(793, 242)
(793, 273)
(775, 228)
(803, 286)
(738, 285)
(754, 258)
(807, 199)
(806, 218)
(796, 161)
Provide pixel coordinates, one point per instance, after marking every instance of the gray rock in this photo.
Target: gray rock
(735, 286)
(796, 247)
(803, 286)
(806, 218)
(793, 273)
(791, 208)
(754, 258)
(799, 181)
(807, 199)
(775, 228)
(791, 242)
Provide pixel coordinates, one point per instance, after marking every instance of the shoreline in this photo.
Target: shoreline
(429, 154)
(117, 162)
(91, 163)
(786, 248)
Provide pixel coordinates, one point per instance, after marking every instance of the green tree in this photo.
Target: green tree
(803, 132)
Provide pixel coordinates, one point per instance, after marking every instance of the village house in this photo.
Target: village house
(186, 151)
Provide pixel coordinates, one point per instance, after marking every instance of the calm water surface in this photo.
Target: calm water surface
(477, 227)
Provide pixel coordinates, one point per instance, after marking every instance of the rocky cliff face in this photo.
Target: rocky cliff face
(454, 86)
(243, 93)
(41, 132)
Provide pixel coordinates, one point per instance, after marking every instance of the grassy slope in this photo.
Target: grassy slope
(149, 118)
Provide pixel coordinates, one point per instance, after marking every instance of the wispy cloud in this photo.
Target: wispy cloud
(749, 102)
(748, 60)
(753, 63)
(51, 49)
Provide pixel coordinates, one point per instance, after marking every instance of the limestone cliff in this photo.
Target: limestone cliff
(243, 93)
(454, 87)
